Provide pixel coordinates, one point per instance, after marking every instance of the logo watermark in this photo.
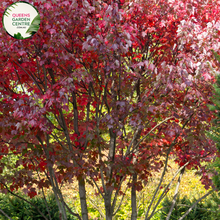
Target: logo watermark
(21, 20)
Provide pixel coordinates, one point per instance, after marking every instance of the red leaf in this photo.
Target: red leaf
(42, 165)
(32, 193)
(21, 52)
(76, 143)
(47, 6)
(52, 31)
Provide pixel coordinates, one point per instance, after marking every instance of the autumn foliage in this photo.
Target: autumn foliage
(108, 90)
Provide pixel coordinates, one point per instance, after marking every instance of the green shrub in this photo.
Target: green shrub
(205, 210)
(21, 210)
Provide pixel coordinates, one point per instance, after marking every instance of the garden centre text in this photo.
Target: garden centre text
(23, 21)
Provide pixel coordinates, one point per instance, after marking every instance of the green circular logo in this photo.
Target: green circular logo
(21, 20)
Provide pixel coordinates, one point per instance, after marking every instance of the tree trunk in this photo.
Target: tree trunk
(108, 206)
(52, 178)
(134, 199)
(82, 194)
(108, 193)
(175, 194)
(58, 195)
(134, 180)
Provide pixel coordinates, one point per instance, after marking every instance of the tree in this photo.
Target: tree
(214, 133)
(108, 90)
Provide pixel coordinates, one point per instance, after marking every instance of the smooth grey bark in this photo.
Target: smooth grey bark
(53, 181)
(57, 194)
(175, 194)
(161, 197)
(82, 194)
(134, 199)
(45, 200)
(108, 206)
(134, 179)
(63, 215)
(108, 192)
(135, 146)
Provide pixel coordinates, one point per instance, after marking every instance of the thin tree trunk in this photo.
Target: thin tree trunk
(81, 181)
(45, 200)
(53, 181)
(164, 172)
(134, 180)
(175, 194)
(134, 199)
(82, 194)
(161, 197)
(108, 206)
(61, 200)
(58, 195)
(108, 192)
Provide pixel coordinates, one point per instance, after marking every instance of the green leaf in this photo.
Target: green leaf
(7, 14)
(211, 107)
(33, 28)
(18, 36)
(16, 136)
(34, 25)
(36, 20)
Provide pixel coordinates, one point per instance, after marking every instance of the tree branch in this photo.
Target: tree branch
(175, 194)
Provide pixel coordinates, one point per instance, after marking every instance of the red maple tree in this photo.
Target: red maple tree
(108, 90)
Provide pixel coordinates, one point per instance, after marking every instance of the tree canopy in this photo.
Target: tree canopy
(108, 90)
